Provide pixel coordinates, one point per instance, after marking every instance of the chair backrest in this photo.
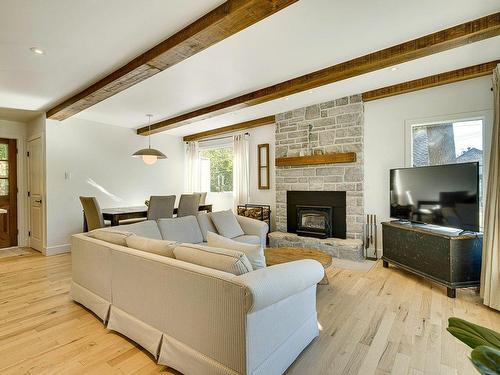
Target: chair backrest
(161, 207)
(92, 212)
(188, 205)
(203, 197)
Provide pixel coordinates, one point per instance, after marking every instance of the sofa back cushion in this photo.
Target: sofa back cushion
(206, 224)
(230, 261)
(226, 224)
(147, 228)
(254, 253)
(160, 247)
(116, 237)
(181, 229)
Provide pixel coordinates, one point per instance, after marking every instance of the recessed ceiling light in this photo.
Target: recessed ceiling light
(286, 98)
(393, 69)
(37, 51)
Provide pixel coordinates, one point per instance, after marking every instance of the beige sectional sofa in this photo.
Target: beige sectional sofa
(195, 319)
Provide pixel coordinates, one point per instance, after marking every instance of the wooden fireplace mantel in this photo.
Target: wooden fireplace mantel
(333, 158)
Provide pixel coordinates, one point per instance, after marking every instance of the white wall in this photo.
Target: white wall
(93, 159)
(262, 134)
(385, 130)
(18, 130)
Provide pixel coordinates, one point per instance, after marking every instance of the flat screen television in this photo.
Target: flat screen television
(444, 195)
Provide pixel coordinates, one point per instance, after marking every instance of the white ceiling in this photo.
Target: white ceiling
(306, 36)
(83, 40)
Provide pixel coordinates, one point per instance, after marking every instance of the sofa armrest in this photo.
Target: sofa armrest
(255, 227)
(273, 284)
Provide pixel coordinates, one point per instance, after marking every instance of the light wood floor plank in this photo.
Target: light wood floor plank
(382, 322)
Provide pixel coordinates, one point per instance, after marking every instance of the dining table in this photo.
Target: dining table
(117, 214)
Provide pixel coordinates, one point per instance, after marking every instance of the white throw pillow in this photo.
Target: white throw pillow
(254, 253)
(150, 245)
(206, 224)
(226, 224)
(112, 236)
(181, 229)
(231, 261)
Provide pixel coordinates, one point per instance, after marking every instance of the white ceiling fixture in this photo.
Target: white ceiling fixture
(37, 51)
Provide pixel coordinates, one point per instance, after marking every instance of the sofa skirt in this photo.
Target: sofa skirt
(143, 334)
(185, 359)
(90, 300)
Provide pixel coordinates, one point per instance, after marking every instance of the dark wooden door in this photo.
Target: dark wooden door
(8, 193)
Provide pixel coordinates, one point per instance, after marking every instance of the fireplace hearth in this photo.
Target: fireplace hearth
(320, 214)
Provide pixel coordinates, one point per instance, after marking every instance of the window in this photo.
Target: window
(4, 169)
(447, 143)
(216, 168)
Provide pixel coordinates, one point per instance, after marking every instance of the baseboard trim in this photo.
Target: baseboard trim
(54, 250)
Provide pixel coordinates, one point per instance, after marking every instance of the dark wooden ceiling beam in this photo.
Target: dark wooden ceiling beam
(452, 76)
(453, 37)
(222, 22)
(230, 128)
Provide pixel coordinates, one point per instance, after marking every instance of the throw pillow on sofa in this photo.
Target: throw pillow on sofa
(109, 235)
(226, 224)
(254, 253)
(146, 228)
(206, 224)
(181, 229)
(150, 245)
(230, 261)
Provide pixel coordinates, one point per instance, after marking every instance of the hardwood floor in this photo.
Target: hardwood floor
(384, 321)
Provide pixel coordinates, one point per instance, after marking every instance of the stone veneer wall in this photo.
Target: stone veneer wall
(333, 126)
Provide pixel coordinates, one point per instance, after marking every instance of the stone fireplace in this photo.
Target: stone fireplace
(329, 127)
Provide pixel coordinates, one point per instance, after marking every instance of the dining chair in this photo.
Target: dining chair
(161, 207)
(203, 197)
(189, 204)
(92, 212)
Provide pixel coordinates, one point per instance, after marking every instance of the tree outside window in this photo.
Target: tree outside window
(216, 170)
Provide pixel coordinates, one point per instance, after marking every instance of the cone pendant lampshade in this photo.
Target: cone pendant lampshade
(149, 155)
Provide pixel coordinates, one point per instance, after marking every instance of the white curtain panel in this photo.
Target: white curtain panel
(241, 169)
(192, 169)
(490, 270)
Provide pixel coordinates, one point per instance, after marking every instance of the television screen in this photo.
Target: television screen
(445, 195)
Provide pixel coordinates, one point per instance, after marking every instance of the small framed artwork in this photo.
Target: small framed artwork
(263, 166)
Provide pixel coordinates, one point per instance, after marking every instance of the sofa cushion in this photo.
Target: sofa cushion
(150, 245)
(248, 238)
(110, 235)
(206, 224)
(226, 224)
(147, 228)
(226, 260)
(254, 253)
(181, 229)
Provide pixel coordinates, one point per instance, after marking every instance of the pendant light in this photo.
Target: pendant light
(149, 155)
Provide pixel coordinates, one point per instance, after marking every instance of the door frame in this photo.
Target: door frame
(27, 199)
(13, 221)
(17, 132)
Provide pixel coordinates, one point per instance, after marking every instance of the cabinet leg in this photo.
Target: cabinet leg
(385, 264)
(451, 292)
